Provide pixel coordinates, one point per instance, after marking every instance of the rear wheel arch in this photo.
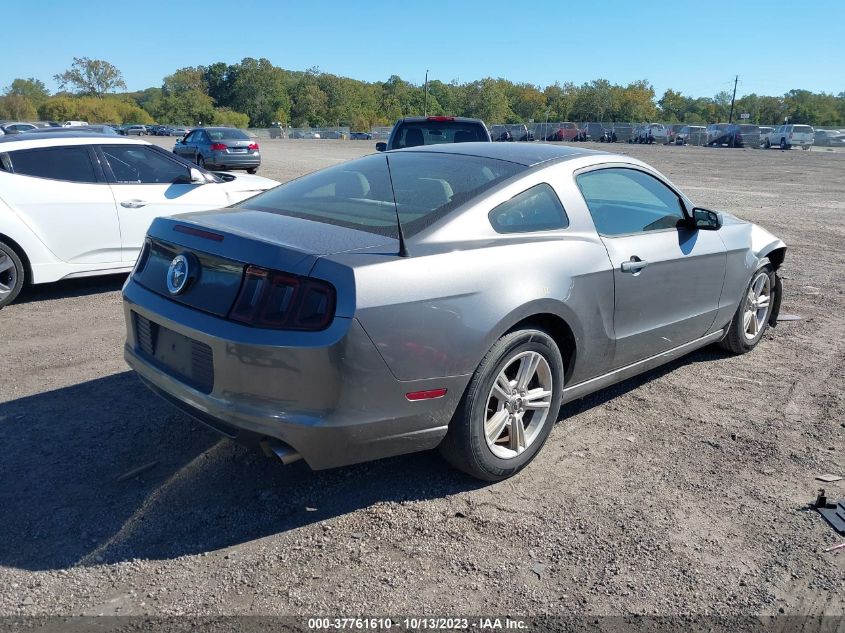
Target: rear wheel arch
(20, 252)
(560, 331)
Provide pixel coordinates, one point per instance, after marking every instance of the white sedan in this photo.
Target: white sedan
(80, 205)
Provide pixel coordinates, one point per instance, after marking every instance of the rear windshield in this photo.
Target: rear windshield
(358, 194)
(413, 134)
(749, 128)
(217, 135)
(804, 129)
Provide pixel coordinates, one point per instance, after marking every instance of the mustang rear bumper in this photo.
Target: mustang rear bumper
(328, 395)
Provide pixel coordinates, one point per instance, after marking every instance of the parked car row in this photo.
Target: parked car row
(136, 129)
(830, 138)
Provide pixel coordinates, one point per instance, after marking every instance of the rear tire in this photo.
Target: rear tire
(751, 319)
(200, 161)
(504, 419)
(252, 170)
(768, 144)
(12, 275)
(783, 144)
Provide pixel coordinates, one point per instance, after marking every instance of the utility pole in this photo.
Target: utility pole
(425, 111)
(731, 115)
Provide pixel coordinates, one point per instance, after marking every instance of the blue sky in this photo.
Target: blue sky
(694, 47)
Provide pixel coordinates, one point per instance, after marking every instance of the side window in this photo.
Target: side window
(72, 164)
(536, 209)
(191, 138)
(624, 201)
(140, 164)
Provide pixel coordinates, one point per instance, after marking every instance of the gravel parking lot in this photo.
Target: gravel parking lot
(684, 490)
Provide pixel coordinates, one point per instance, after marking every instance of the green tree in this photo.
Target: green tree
(91, 77)
(485, 100)
(673, 106)
(230, 118)
(32, 89)
(15, 106)
(257, 88)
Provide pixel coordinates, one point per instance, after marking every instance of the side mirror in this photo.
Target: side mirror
(381, 147)
(706, 220)
(197, 177)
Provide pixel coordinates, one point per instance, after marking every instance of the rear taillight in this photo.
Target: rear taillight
(218, 147)
(253, 146)
(277, 300)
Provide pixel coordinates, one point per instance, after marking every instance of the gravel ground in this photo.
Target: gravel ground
(683, 490)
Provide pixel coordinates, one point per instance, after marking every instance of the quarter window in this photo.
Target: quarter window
(72, 164)
(536, 209)
(140, 164)
(623, 201)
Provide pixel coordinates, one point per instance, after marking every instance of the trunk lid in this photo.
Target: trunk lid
(219, 245)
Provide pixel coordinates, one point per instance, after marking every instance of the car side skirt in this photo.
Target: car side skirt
(623, 373)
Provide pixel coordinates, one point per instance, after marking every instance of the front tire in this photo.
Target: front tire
(509, 407)
(751, 319)
(12, 274)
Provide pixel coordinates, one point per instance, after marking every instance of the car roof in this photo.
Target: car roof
(55, 139)
(528, 154)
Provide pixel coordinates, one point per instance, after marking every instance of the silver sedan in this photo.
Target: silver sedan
(451, 296)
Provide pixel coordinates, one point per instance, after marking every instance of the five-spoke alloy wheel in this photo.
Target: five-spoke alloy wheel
(751, 319)
(509, 407)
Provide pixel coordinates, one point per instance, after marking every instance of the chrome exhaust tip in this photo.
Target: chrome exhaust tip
(285, 453)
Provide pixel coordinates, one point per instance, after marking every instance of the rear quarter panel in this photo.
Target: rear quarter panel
(438, 312)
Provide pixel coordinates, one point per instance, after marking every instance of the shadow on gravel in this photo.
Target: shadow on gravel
(62, 504)
(704, 355)
(82, 287)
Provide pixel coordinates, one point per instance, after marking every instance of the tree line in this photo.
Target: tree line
(256, 93)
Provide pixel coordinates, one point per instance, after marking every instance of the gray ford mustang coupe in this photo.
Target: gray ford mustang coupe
(449, 295)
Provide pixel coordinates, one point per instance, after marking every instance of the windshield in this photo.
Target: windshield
(358, 194)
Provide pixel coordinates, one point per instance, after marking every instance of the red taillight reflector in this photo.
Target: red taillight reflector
(441, 118)
(190, 230)
(253, 146)
(273, 299)
(218, 147)
(429, 394)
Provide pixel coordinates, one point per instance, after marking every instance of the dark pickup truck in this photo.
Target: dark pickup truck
(433, 130)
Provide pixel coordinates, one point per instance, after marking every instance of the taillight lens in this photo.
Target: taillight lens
(253, 146)
(277, 300)
(218, 147)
